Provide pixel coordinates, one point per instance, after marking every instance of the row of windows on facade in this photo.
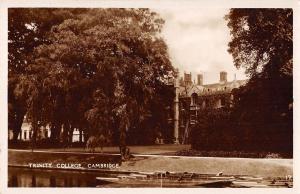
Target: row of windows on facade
(217, 103)
(211, 90)
(215, 89)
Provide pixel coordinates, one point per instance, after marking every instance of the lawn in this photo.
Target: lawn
(212, 165)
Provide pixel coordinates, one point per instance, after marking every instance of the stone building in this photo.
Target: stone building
(194, 96)
(43, 133)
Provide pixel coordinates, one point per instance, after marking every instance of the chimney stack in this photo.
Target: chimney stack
(200, 79)
(223, 76)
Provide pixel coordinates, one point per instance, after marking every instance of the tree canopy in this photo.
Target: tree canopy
(262, 40)
(27, 29)
(262, 43)
(98, 69)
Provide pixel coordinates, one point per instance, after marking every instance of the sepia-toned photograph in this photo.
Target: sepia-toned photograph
(178, 97)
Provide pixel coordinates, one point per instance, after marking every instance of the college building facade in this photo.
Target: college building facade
(193, 97)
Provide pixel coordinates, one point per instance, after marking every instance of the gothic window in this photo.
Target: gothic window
(203, 104)
(194, 99)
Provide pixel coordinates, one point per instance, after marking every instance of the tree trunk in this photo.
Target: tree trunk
(122, 143)
(80, 135)
(34, 131)
(65, 136)
(18, 124)
(16, 133)
(70, 135)
(55, 132)
(124, 123)
(86, 137)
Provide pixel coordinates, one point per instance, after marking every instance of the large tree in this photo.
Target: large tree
(262, 43)
(106, 64)
(27, 29)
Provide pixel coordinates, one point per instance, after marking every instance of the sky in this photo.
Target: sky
(197, 39)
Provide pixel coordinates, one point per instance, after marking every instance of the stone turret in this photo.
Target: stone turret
(187, 78)
(223, 77)
(200, 79)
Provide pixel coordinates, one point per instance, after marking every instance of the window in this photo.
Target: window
(203, 104)
(194, 99)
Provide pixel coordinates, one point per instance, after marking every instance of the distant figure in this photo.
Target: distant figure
(91, 144)
(95, 141)
(159, 138)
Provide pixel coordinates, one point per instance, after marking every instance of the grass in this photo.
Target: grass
(165, 149)
(235, 166)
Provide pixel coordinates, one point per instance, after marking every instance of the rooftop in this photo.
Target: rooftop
(208, 89)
